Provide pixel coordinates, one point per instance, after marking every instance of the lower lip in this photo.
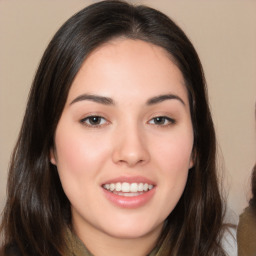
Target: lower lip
(129, 202)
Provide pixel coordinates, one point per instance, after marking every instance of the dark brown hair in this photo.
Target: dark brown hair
(37, 210)
(253, 185)
(253, 182)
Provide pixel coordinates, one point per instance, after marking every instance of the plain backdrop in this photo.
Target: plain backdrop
(224, 35)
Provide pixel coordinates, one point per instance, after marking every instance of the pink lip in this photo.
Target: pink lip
(130, 202)
(130, 179)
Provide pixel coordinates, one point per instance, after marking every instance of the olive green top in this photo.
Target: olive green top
(75, 245)
(77, 248)
(246, 233)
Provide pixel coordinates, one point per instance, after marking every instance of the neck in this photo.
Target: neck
(101, 244)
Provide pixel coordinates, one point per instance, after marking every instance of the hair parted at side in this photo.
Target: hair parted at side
(37, 211)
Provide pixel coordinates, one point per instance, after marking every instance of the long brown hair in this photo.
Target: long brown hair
(253, 185)
(253, 181)
(37, 210)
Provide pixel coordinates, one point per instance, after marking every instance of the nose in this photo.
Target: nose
(130, 147)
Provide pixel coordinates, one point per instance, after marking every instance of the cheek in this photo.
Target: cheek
(79, 160)
(175, 167)
(174, 160)
(175, 152)
(79, 154)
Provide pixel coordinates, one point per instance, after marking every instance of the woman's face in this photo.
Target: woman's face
(123, 145)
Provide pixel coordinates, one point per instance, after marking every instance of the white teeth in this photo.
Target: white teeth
(118, 186)
(134, 187)
(127, 194)
(112, 187)
(140, 187)
(126, 187)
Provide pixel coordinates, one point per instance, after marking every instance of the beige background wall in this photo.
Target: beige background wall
(224, 34)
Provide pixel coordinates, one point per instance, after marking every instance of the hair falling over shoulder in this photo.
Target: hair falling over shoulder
(37, 211)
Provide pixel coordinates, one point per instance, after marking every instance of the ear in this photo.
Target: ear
(191, 163)
(192, 159)
(52, 156)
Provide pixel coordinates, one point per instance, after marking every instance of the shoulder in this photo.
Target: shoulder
(229, 242)
(247, 224)
(247, 218)
(246, 233)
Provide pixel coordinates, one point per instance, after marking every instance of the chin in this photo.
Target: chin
(134, 230)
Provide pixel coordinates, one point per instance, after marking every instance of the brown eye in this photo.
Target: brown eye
(162, 120)
(93, 121)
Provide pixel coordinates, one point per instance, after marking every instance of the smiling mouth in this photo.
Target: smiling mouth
(128, 189)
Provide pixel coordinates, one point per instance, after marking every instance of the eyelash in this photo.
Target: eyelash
(95, 121)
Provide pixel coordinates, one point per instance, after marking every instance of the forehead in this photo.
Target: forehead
(124, 50)
(123, 64)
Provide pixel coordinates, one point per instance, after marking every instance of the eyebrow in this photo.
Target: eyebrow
(161, 98)
(108, 101)
(95, 98)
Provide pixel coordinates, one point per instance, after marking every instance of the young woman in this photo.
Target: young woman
(116, 154)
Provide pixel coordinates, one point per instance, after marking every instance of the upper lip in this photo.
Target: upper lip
(130, 179)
